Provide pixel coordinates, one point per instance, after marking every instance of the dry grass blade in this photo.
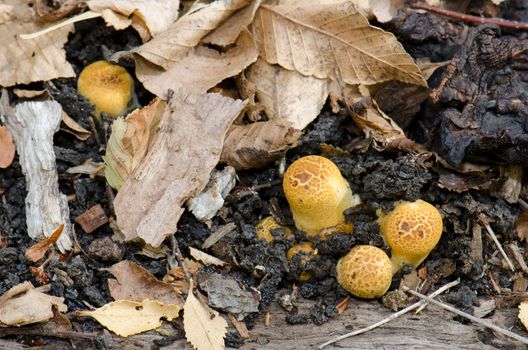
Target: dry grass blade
(327, 38)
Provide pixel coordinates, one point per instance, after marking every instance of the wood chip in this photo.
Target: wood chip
(92, 218)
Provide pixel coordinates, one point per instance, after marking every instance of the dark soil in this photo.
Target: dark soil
(380, 178)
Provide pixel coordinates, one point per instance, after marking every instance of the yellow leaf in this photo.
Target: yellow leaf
(204, 328)
(125, 317)
(331, 39)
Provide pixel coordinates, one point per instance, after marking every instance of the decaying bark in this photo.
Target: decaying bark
(32, 125)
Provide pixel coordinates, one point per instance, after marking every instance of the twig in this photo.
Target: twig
(480, 321)
(523, 204)
(391, 317)
(469, 18)
(176, 253)
(497, 243)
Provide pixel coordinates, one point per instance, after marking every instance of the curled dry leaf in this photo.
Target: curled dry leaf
(288, 94)
(130, 140)
(125, 317)
(321, 38)
(135, 283)
(167, 177)
(7, 147)
(206, 258)
(257, 144)
(204, 328)
(173, 44)
(38, 250)
(153, 16)
(27, 61)
(74, 128)
(201, 69)
(24, 304)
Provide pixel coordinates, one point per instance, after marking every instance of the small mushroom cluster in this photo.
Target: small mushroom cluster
(318, 195)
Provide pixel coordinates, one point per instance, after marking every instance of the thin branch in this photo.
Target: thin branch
(469, 18)
(496, 241)
(391, 317)
(480, 321)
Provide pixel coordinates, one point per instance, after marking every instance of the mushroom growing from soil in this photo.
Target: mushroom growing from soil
(366, 272)
(411, 230)
(267, 224)
(317, 194)
(306, 251)
(107, 86)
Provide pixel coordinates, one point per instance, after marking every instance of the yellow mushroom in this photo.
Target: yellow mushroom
(107, 86)
(365, 272)
(265, 226)
(317, 194)
(307, 252)
(411, 231)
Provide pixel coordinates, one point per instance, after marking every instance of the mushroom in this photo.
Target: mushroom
(306, 251)
(317, 194)
(265, 226)
(411, 230)
(107, 86)
(365, 272)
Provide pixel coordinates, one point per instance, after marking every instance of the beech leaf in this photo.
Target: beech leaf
(204, 327)
(7, 146)
(331, 39)
(125, 317)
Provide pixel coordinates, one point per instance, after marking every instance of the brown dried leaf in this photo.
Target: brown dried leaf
(74, 128)
(173, 44)
(201, 69)
(23, 304)
(135, 283)
(125, 317)
(521, 226)
(155, 15)
(130, 140)
(287, 94)
(206, 258)
(7, 147)
(204, 328)
(177, 166)
(326, 38)
(51, 11)
(255, 145)
(38, 250)
(38, 59)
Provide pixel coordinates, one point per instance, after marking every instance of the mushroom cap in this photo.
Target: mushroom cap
(412, 230)
(107, 86)
(366, 272)
(317, 194)
(265, 226)
(307, 252)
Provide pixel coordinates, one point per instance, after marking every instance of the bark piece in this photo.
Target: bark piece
(177, 166)
(92, 219)
(32, 125)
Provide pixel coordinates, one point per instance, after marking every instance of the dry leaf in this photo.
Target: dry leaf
(23, 304)
(51, 11)
(155, 15)
(88, 167)
(330, 39)
(521, 226)
(228, 31)
(38, 250)
(382, 10)
(206, 258)
(27, 61)
(74, 128)
(125, 317)
(129, 141)
(7, 147)
(173, 44)
(255, 145)
(287, 94)
(199, 70)
(33, 125)
(523, 313)
(204, 328)
(178, 165)
(135, 283)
